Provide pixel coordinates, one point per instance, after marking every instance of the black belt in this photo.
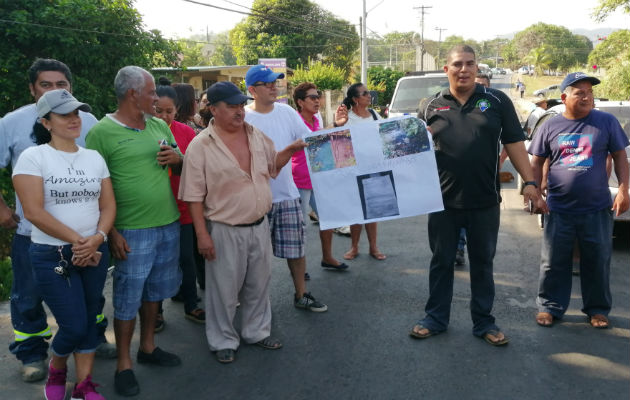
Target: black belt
(257, 222)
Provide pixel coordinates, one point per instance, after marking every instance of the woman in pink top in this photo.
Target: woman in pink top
(165, 109)
(306, 97)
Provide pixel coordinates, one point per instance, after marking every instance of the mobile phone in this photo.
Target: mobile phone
(530, 205)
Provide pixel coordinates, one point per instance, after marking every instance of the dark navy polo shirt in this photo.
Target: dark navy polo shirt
(467, 142)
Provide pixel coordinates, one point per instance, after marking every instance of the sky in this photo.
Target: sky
(478, 20)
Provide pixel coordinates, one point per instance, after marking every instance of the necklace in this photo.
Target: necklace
(74, 157)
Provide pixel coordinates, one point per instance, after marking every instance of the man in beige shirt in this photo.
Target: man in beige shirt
(225, 181)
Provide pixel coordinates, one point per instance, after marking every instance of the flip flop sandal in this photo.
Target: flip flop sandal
(416, 335)
(269, 343)
(225, 356)
(598, 318)
(545, 319)
(495, 333)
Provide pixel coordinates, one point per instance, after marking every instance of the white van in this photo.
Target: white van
(411, 89)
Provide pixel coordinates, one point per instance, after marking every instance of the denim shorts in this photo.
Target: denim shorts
(287, 229)
(151, 271)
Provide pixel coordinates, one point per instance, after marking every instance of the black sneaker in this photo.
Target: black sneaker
(308, 302)
(125, 383)
(159, 357)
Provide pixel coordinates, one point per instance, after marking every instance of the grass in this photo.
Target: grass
(533, 83)
(6, 278)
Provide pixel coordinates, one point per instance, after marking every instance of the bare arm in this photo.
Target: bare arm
(284, 155)
(537, 166)
(87, 246)
(8, 218)
(204, 240)
(518, 155)
(30, 190)
(622, 200)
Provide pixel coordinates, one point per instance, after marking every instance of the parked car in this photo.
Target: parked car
(411, 89)
(549, 91)
(621, 111)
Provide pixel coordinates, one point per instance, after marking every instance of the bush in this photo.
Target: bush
(324, 76)
(6, 189)
(6, 278)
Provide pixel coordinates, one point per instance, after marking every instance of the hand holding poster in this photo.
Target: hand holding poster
(373, 171)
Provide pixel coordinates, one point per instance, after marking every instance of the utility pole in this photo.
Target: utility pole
(364, 56)
(439, 43)
(422, 12)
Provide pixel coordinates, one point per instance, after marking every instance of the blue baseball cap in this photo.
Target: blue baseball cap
(226, 91)
(261, 73)
(574, 77)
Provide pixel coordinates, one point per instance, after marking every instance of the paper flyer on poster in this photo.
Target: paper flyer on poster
(373, 171)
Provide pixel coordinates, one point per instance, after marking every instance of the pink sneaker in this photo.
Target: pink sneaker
(55, 388)
(86, 390)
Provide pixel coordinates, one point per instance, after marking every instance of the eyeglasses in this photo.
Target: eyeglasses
(366, 93)
(268, 85)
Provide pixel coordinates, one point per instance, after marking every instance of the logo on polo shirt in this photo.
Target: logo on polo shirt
(445, 108)
(483, 104)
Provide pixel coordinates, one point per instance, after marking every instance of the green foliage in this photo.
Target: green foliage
(95, 38)
(606, 7)
(274, 31)
(6, 189)
(324, 76)
(613, 54)
(564, 48)
(387, 79)
(222, 54)
(539, 58)
(6, 278)
(191, 53)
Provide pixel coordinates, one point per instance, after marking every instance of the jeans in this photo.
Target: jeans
(74, 300)
(27, 313)
(482, 228)
(187, 263)
(593, 232)
(461, 244)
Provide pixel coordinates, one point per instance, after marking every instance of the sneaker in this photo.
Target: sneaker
(460, 258)
(159, 323)
(55, 388)
(106, 350)
(86, 390)
(33, 371)
(308, 302)
(125, 383)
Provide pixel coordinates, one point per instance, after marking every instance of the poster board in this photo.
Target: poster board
(373, 171)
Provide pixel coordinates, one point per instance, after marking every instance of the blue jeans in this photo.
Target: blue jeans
(27, 314)
(593, 232)
(74, 300)
(187, 263)
(482, 228)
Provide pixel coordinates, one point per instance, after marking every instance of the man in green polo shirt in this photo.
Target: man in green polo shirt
(139, 151)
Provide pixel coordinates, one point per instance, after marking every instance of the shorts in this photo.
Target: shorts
(151, 271)
(287, 229)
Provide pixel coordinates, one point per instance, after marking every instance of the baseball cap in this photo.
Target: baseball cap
(574, 77)
(226, 91)
(261, 73)
(59, 101)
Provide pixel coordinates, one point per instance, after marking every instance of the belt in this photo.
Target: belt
(257, 222)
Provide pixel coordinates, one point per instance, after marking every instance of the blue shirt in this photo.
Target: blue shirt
(577, 148)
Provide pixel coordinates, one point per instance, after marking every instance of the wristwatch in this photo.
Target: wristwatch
(531, 183)
(102, 234)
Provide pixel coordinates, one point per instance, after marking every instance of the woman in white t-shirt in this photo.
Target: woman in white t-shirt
(67, 195)
(358, 100)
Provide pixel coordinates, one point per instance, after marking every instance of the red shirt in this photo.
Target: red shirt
(183, 135)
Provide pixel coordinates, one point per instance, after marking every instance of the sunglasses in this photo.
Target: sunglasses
(314, 96)
(268, 85)
(366, 93)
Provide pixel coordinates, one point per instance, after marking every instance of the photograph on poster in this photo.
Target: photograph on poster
(403, 137)
(330, 151)
(378, 195)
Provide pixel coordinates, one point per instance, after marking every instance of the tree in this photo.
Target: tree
(564, 48)
(222, 54)
(94, 38)
(385, 78)
(191, 53)
(539, 58)
(297, 30)
(613, 55)
(606, 7)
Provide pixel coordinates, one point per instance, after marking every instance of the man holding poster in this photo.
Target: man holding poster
(467, 122)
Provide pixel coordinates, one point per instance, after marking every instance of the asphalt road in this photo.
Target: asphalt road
(360, 348)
